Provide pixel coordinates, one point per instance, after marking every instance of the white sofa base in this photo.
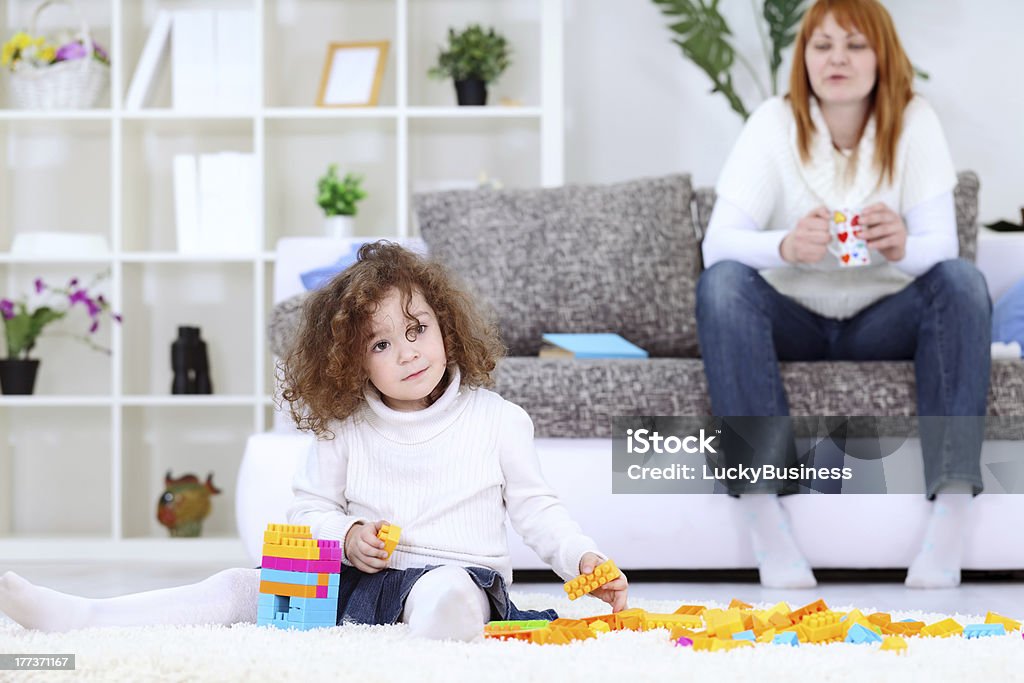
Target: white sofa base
(692, 531)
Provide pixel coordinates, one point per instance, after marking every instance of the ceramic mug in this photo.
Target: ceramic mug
(848, 245)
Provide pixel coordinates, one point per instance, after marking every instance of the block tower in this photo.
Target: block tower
(299, 579)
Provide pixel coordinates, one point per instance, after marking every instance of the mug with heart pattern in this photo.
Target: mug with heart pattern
(848, 244)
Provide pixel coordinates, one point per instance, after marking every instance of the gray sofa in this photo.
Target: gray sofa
(625, 258)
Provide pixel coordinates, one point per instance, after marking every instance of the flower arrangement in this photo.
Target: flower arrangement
(36, 51)
(24, 319)
(339, 196)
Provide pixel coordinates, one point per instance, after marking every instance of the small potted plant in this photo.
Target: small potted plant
(25, 318)
(474, 58)
(338, 198)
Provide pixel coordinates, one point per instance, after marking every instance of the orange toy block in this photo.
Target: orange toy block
(943, 629)
(631, 619)
(813, 608)
(1009, 624)
(289, 589)
(903, 628)
(739, 604)
(389, 533)
(880, 619)
(780, 620)
(585, 583)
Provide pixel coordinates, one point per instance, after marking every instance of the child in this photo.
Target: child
(388, 372)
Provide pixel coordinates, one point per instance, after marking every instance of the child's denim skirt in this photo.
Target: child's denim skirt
(379, 598)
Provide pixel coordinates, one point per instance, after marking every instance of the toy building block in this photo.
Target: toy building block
(894, 644)
(669, 621)
(389, 533)
(299, 578)
(718, 645)
(786, 638)
(903, 628)
(880, 619)
(724, 623)
(943, 629)
(585, 583)
(521, 625)
(859, 634)
(599, 626)
(293, 548)
(294, 591)
(982, 630)
(631, 619)
(739, 604)
(1009, 624)
(767, 636)
(822, 627)
(695, 610)
(744, 635)
(813, 608)
(683, 641)
(275, 532)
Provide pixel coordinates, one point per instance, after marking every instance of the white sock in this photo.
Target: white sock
(227, 597)
(779, 561)
(446, 604)
(937, 564)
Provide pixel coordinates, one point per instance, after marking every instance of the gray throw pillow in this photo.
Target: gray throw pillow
(609, 258)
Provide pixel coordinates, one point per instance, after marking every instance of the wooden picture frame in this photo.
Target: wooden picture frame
(352, 74)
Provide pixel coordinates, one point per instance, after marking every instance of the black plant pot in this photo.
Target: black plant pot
(471, 92)
(18, 376)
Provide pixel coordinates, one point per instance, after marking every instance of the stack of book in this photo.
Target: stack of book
(215, 203)
(213, 60)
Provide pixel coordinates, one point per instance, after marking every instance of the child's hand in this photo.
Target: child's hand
(363, 549)
(613, 592)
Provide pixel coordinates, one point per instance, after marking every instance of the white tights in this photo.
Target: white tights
(444, 604)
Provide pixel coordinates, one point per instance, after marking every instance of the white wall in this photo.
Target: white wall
(635, 106)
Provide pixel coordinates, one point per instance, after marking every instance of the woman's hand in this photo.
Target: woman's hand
(363, 549)
(808, 241)
(884, 231)
(614, 592)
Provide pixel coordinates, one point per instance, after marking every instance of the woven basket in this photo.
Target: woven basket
(75, 84)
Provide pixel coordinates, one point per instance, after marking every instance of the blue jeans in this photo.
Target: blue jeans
(941, 321)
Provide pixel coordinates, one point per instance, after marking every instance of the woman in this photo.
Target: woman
(850, 137)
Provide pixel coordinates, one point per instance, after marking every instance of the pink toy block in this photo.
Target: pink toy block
(271, 562)
(321, 591)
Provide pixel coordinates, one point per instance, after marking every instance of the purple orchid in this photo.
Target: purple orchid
(40, 285)
(7, 308)
(95, 326)
(78, 296)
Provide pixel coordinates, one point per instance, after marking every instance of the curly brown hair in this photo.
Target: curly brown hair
(324, 374)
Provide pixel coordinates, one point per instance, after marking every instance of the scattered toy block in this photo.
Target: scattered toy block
(983, 630)
(943, 629)
(894, 644)
(586, 583)
(786, 638)
(389, 533)
(859, 634)
(1008, 624)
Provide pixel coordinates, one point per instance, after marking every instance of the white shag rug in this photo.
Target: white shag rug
(367, 654)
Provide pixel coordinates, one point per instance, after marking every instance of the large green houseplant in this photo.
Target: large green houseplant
(474, 57)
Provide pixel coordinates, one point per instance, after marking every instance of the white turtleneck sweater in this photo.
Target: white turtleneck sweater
(764, 190)
(447, 475)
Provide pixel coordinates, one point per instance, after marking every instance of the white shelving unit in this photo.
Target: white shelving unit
(82, 461)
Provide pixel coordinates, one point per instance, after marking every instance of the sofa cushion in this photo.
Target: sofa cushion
(602, 258)
(578, 398)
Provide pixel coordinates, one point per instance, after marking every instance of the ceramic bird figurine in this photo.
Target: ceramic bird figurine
(185, 503)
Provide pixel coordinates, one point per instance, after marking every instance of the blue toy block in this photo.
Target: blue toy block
(744, 635)
(297, 578)
(300, 617)
(982, 630)
(859, 634)
(315, 604)
(786, 638)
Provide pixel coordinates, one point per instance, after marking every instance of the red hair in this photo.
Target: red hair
(892, 91)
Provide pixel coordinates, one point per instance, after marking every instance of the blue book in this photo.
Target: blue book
(598, 345)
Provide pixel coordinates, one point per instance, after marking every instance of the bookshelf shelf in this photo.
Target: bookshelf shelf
(110, 171)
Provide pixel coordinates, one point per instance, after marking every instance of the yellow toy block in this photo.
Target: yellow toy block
(894, 644)
(766, 636)
(822, 627)
(293, 548)
(739, 604)
(943, 629)
(671, 621)
(780, 620)
(389, 533)
(718, 645)
(275, 532)
(585, 583)
(289, 589)
(691, 609)
(631, 619)
(1009, 624)
(812, 608)
(599, 626)
(724, 623)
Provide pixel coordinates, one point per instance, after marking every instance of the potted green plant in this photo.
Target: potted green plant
(474, 57)
(338, 198)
